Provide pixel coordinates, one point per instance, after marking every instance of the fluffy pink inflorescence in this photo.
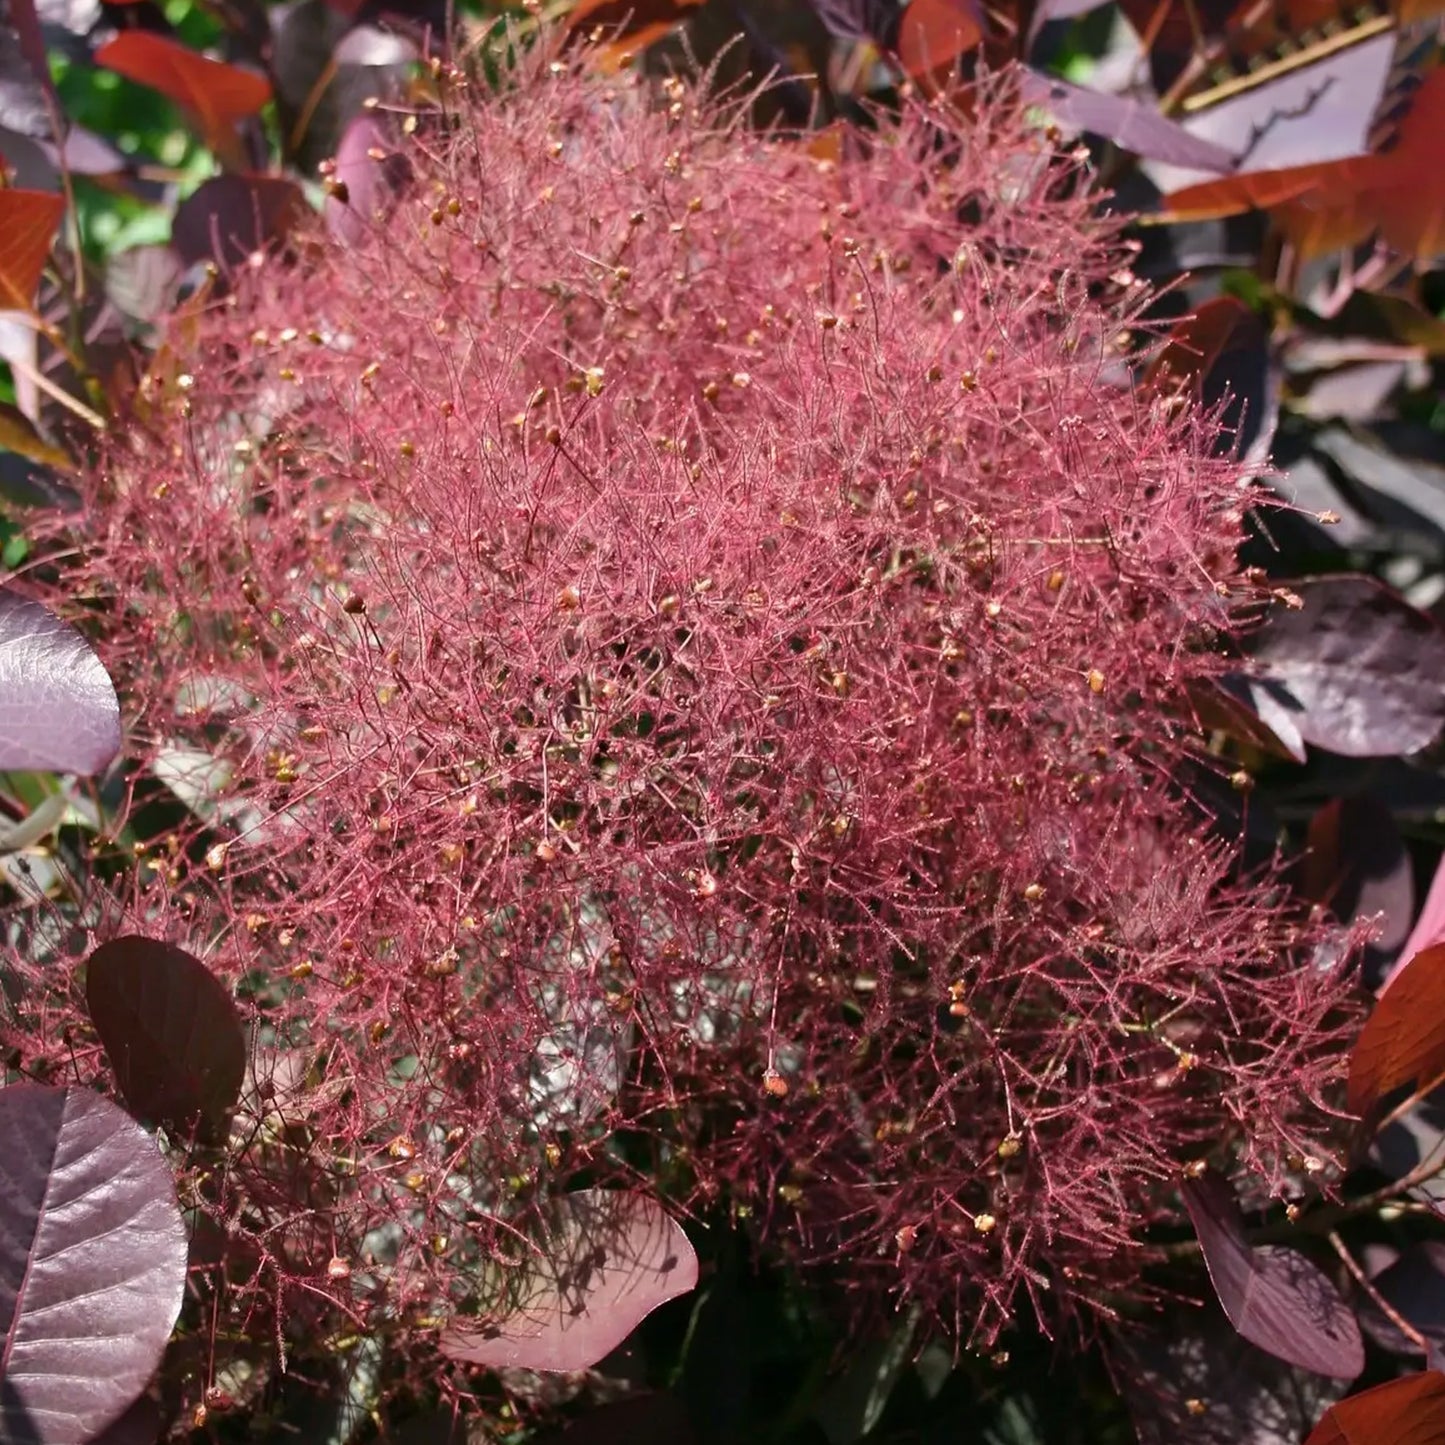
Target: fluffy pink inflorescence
(697, 634)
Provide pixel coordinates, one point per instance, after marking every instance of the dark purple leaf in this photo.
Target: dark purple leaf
(1273, 1296)
(1318, 112)
(369, 172)
(228, 217)
(58, 710)
(92, 1263)
(170, 1028)
(1404, 494)
(1358, 867)
(873, 20)
(608, 1262)
(1189, 1379)
(1132, 124)
(1359, 668)
(1219, 355)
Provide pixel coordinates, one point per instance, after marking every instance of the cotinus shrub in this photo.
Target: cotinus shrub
(674, 650)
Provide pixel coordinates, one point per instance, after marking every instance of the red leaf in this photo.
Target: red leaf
(1403, 1041)
(28, 222)
(1274, 1297)
(934, 33)
(1410, 1411)
(1399, 193)
(217, 94)
(1230, 705)
(638, 22)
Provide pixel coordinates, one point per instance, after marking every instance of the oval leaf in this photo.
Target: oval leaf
(228, 217)
(1358, 866)
(28, 222)
(935, 33)
(1274, 1297)
(1403, 1040)
(58, 710)
(217, 94)
(92, 1263)
(1404, 1412)
(1361, 666)
(170, 1028)
(610, 1261)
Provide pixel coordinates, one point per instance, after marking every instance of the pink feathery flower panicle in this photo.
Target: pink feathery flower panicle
(692, 639)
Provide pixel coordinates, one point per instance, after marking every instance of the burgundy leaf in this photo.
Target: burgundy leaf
(1410, 1411)
(611, 1260)
(228, 217)
(1361, 667)
(1273, 1296)
(1403, 1040)
(58, 710)
(1357, 865)
(170, 1028)
(92, 1263)
(144, 281)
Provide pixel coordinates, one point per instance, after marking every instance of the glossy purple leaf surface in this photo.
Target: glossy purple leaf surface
(1360, 667)
(92, 1263)
(58, 709)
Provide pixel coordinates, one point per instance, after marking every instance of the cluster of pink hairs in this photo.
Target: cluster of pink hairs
(676, 652)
